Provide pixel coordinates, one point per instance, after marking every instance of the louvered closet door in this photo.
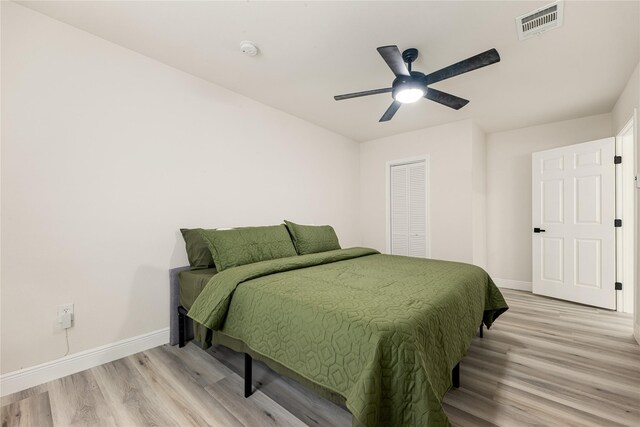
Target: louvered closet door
(408, 209)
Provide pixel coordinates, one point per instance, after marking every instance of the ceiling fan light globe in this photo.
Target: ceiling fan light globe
(409, 95)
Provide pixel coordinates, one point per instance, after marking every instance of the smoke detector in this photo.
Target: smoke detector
(540, 20)
(249, 48)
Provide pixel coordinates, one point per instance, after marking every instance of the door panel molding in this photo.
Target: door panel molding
(574, 202)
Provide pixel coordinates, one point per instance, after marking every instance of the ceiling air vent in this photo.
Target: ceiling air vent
(540, 20)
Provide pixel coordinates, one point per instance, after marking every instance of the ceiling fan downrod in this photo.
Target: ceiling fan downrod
(410, 55)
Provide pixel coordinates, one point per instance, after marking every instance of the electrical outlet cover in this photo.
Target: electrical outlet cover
(65, 309)
(65, 321)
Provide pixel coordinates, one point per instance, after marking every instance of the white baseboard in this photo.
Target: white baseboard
(12, 382)
(514, 284)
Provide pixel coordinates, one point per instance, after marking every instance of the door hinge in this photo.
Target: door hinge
(617, 160)
(617, 223)
(618, 286)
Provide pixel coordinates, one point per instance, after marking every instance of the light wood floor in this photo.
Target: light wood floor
(545, 362)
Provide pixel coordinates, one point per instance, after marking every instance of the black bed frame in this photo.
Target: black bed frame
(248, 388)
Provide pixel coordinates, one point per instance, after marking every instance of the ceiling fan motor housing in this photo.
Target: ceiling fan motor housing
(416, 80)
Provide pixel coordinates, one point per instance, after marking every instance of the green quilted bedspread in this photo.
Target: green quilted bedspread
(382, 331)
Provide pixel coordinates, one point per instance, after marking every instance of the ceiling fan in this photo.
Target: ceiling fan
(409, 86)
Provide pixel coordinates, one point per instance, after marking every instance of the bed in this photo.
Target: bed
(191, 283)
(378, 333)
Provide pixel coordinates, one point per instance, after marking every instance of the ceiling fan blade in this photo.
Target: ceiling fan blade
(359, 94)
(388, 115)
(446, 99)
(393, 58)
(478, 61)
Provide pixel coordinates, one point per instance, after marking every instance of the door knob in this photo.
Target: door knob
(538, 230)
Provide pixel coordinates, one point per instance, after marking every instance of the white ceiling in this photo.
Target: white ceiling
(310, 51)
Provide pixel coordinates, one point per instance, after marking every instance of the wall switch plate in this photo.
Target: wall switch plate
(65, 315)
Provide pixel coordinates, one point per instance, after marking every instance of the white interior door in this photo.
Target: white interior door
(573, 223)
(408, 209)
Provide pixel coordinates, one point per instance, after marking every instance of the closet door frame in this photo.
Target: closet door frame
(423, 158)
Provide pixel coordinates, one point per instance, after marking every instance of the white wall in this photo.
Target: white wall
(509, 188)
(105, 154)
(627, 103)
(449, 148)
(479, 195)
(628, 100)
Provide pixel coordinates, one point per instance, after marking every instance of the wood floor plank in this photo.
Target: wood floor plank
(130, 398)
(76, 400)
(182, 378)
(557, 344)
(205, 370)
(180, 404)
(560, 366)
(490, 410)
(580, 396)
(461, 418)
(32, 411)
(23, 394)
(550, 411)
(259, 410)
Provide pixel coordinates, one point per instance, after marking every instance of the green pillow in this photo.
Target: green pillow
(310, 239)
(197, 247)
(240, 246)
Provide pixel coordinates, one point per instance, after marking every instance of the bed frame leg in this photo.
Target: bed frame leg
(182, 327)
(247, 375)
(481, 330)
(455, 376)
